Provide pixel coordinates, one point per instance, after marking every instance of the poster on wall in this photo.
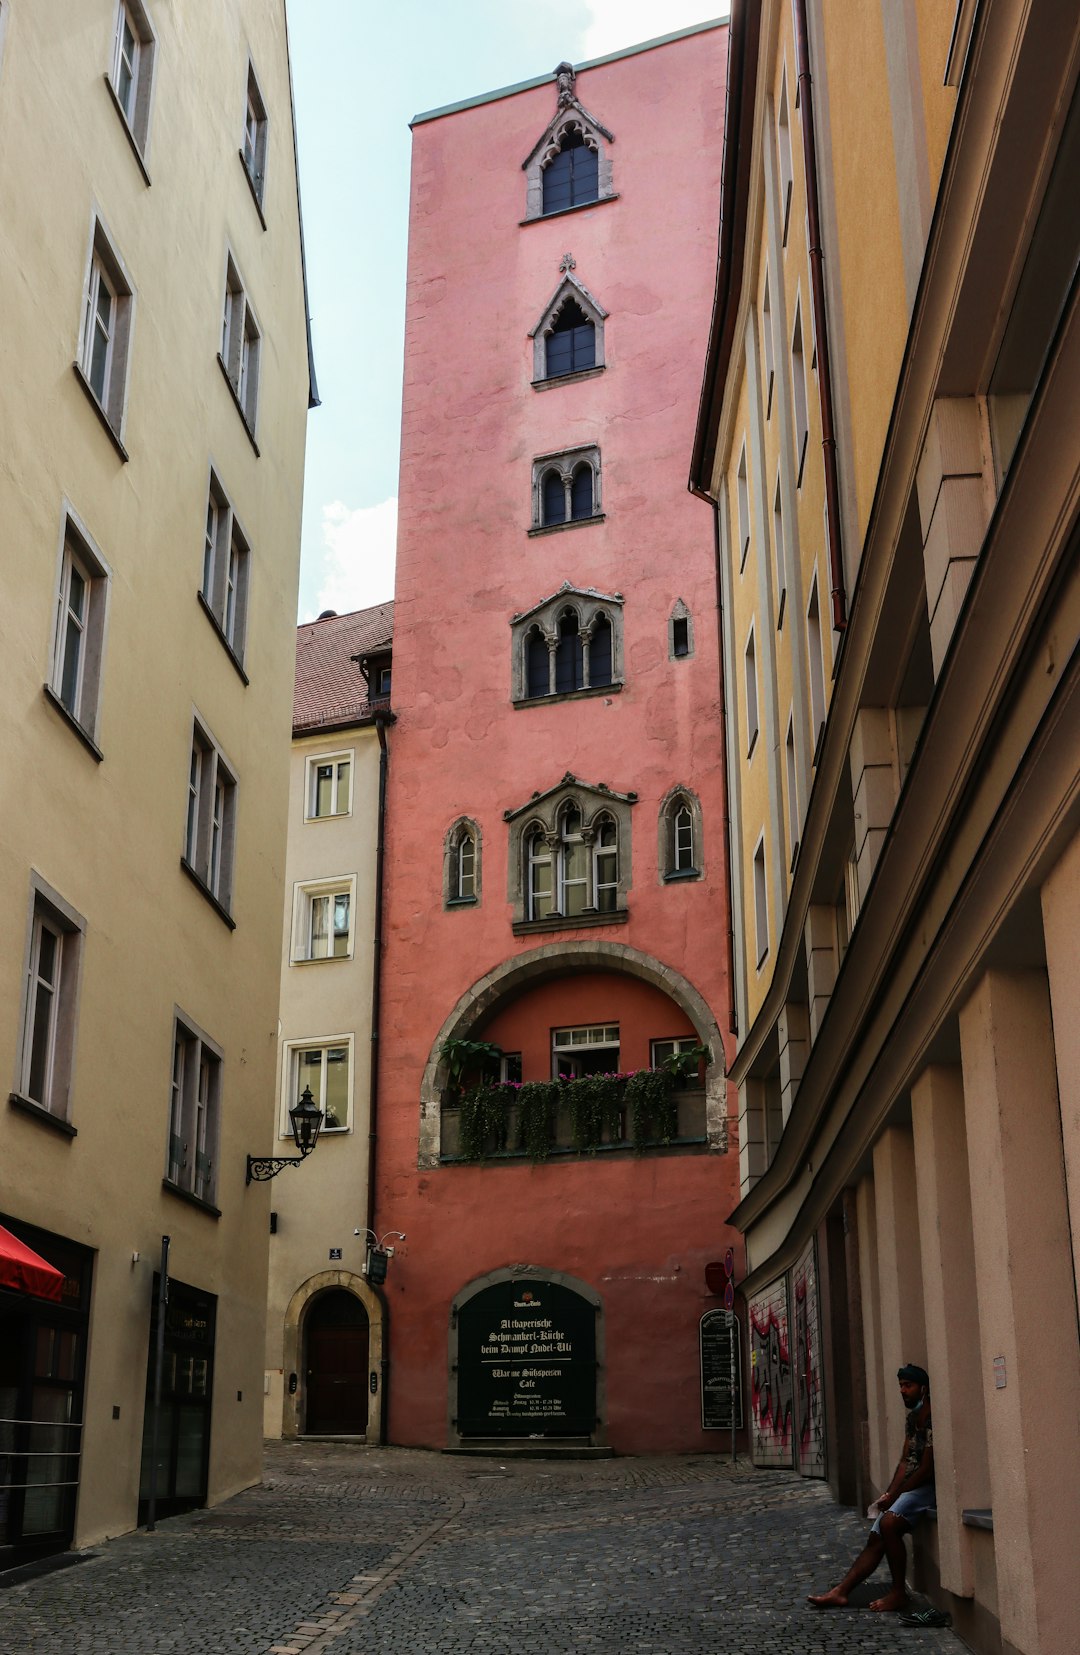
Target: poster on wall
(721, 1371)
(526, 1362)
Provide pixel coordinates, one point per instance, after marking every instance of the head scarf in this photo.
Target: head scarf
(914, 1374)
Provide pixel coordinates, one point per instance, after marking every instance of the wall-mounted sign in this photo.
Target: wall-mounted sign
(721, 1371)
(999, 1373)
(335, 1253)
(526, 1362)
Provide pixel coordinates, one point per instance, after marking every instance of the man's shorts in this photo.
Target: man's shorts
(911, 1505)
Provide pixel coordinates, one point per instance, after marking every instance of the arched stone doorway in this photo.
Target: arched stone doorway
(333, 1344)
(527, 1359)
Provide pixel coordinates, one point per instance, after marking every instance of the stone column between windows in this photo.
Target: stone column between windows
(1027, 1305)
(954, 509)
(819, 936)
(952, 1316)
(874, 788)
(877, 1442)
(903, 1326)
(584, 634)
(753, 1154)
(793, 1033)
(552, 641)
(1061, 927)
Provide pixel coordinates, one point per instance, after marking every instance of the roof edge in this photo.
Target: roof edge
(545, 80)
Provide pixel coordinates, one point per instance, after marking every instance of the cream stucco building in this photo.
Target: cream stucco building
(888, 434)
(156, 381)
(324, 1349)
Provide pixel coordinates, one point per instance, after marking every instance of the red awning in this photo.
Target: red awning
(26, 1271)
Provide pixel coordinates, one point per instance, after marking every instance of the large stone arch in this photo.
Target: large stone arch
(560, 959)
(525, 1273)
(293, 1346)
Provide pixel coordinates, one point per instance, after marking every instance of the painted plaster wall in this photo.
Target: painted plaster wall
(108, 836)
(478, 281)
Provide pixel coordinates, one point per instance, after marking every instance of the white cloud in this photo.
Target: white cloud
(356, 566)
(616, 24)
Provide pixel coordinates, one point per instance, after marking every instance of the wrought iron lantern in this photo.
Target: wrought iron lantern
(307, 1119)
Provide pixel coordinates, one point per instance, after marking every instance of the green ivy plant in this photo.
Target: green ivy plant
(481, 1057)
(596, 1103)
(537, 1104)
(482, 1119)
(653, 1111)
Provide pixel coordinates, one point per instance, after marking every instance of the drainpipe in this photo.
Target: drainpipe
(733, 1016)
(821, 327)
(382, 717)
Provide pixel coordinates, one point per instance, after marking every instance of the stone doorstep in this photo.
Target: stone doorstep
(552, 1448)
(305, 1436)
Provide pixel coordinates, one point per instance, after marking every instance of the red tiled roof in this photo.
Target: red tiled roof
(329, 686)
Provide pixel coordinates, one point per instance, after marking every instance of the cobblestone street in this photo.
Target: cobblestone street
(356, 1552)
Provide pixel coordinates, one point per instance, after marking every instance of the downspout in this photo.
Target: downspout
(733, 1016)
(381, 718)
(821, 327)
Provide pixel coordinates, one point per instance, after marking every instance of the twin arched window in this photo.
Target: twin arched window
(574, 870)
(566, 488)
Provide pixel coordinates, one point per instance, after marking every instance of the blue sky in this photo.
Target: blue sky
(361, 70)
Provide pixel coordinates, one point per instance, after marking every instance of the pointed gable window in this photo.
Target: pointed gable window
(571, 344)
(569, 336)
(569, 165)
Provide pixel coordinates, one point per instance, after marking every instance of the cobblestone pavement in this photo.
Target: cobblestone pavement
(352, 1551)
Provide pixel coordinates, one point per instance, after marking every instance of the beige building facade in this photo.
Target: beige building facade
(324, 1336)
(156, 383)
(888, 436)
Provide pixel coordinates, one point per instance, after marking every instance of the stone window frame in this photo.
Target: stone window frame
(568, 288)
(544, 811)
(451, 845)
(675, 797)
(680, 612)
(135, 112)
(106, 382)
(566, 461)
(48, 911)
(569, 116)
(589, 605)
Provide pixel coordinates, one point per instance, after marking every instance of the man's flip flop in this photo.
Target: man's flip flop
(926, 1617)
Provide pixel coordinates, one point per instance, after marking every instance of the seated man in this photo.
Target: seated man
(910, 1493)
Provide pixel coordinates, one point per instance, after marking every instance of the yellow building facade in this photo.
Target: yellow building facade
(156, 383)
(324, 1332)
(887, 436)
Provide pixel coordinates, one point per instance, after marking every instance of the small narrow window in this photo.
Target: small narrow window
(106, 328)
(750, 665)
(226, 563)
(569, 655)
(211, 818)
(680, 636)
(541, 894)
(462, 865)
(600, 653)
(572, 177)
(761, 902)
(783, 133)
(798, 385)
(79, 632)
(744, 508)
(571, 344)
(241, 344)
(329, 786)
(816, 663)
(778, 553)
(769, 349)
(132, 68)
(194, 1113)
(606, 865)
(792, 790)
(573, 864)
(47, 1041)
(537, 664)
(253, 148)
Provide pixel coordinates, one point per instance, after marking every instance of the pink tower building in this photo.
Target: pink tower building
(553, 1128)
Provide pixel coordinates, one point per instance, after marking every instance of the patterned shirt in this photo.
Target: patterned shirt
(920, 1437)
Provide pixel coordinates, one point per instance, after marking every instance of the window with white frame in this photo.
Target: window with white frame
(743, 488)
(761, 902)
(329, 786)
(323, 919)
(51, 980)
(778, 554)
(769, 347)
(106, 329)
(194, 1111)
(211, 817)
(575, 871)
(566, 488)
(792, 790)
(750, 668)
(325, 1067)
(589, 1049)
(240, 346)
(79, 632)
(461, 865)
(680, 836)
(132, 67)
(783, 135)
(253, 150)
(816, 665)
(798, 385)
(661, 1050)
(226, 565)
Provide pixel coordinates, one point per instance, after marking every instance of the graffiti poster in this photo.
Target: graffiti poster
(809, 1414)
(771, 1385)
